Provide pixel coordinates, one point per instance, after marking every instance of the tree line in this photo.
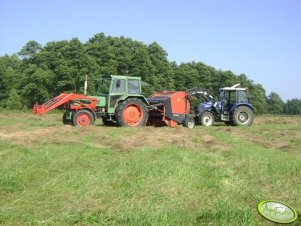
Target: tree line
(38, 73)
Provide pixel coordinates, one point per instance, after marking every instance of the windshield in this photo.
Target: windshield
(104, 86)
(118, 86)
(221, 95)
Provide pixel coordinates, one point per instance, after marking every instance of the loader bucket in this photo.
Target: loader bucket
(38, 109)
(78, 102)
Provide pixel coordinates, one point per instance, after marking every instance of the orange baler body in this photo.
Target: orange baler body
(172, 107)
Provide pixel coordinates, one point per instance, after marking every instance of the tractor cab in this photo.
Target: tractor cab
(230, 98)
(113, 88)
(118, 91)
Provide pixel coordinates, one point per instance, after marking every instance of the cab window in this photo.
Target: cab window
(118, 86)
(242, 97)
(221, 95)
(133, 86)
(232, 96)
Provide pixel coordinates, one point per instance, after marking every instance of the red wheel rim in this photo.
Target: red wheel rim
(133, 115)
(173, 123)
(83, 120)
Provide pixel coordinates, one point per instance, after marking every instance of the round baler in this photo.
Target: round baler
(171, 108)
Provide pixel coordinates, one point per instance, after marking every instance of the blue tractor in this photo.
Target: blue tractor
(233, 107)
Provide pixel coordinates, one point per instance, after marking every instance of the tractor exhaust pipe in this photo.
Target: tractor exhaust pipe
(86, 85)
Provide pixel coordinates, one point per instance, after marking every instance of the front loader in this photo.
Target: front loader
(119, 102)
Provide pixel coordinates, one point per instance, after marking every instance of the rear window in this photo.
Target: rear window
(242, 97)
(133, 86)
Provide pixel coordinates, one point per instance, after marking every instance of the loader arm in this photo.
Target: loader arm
(200, 92)
(75, 101)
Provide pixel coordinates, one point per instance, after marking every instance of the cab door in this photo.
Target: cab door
(118, 90)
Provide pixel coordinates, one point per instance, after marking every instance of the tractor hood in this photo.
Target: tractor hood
(101, 100)
(208, 106)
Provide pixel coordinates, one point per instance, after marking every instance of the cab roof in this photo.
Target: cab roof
(235, 87)
(120, 77)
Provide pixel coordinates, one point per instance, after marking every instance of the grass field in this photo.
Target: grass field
(56, 174)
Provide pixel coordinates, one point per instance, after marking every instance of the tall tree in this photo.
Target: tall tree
(9, 76)
(35, 85)
(69, 63)
(293, 107)
(258, 98)
(102, 55)
(141, 64)
(186, 76)
(205, 76)
(61, 66)
(13, 102)
(30, 49)
(163, 75)
(275, 103)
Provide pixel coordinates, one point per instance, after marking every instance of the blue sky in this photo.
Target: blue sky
(261, 38)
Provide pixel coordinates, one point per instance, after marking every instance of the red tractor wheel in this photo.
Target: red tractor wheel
(132, 112)
(83, 118)
(133, 115)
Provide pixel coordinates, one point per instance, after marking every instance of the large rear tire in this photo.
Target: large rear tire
(132, 112)
(83, 118)
(207, 119)
(242, 116)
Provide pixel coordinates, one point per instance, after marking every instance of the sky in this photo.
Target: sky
(260, 38)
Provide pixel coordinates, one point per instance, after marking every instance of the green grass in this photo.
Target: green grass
(55, 174)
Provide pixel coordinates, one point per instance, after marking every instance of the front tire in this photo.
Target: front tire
(243, 116)
(83, 118)
(65, 120)
(207, 119)
(132, 112)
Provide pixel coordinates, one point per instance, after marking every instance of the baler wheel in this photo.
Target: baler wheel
(132, 112)
(189, 122)
(83, 118)
(171, 123)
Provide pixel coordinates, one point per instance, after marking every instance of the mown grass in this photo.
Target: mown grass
(55, 174)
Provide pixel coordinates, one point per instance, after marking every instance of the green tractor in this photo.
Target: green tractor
(119, 102)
